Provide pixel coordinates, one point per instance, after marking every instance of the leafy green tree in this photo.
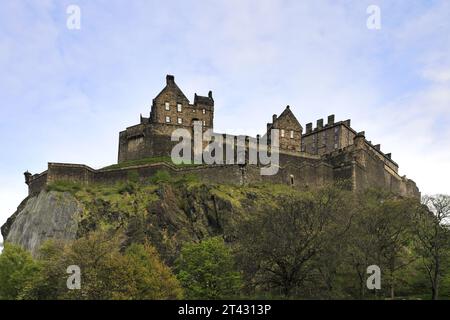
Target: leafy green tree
(381, 235)
(50, 282)
(433, 238)
(154, 280)
(207, 270)
(106, 272)
(278, 247)
(17, 271)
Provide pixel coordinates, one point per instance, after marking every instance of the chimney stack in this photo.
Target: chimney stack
(309, 127)
(274, 118)
(170, 79)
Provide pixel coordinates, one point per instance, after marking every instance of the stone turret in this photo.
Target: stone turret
(359, 140)
(27, 177)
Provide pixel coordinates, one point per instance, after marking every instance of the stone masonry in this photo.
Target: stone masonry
(329, 152)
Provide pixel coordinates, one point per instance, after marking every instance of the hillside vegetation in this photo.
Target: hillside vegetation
(216, 241)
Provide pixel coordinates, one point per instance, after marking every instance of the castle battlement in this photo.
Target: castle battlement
(323, 154)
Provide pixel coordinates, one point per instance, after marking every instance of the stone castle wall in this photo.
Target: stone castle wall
(145, 141)
(359, 164)
(327, 153)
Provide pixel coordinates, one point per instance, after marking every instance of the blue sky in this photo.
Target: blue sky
(65, 94)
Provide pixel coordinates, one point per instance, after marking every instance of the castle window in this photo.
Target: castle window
(336, 129)
(335, 145)
(180, 121)
(292, 179)
(179, 107)
(204, 111)
(204, 123)
(193, 110)
(167, 105)
(282, 133)
(292, 134)
(167, 119)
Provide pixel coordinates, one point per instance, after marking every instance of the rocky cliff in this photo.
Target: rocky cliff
(44, 216)
(164, 211)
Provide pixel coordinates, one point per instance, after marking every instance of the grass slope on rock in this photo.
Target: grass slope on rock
(168, 211)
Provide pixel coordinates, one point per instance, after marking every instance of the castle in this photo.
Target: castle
(328, 152)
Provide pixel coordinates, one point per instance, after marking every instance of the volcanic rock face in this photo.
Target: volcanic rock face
(44, 216)
(165, 213)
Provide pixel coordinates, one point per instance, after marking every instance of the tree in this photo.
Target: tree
(154, 280)
(393, 234)
(207, 271)
(381, 232)
(277, 247)
(50, 282)
(106, 271)
(433, 237)
(17, 271)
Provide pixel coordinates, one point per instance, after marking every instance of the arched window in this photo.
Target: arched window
(292, 179)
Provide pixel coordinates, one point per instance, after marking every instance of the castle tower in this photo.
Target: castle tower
(172, 107)
(170, 110)
(290, 130)
(327, 137)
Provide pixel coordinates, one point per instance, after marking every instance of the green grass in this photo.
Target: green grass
(232, 194)
(64, 186)
(144, 161)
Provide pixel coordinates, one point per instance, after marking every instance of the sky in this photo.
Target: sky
(66, 93)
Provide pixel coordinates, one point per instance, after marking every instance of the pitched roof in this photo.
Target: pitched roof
(171, 85)
(288, 113)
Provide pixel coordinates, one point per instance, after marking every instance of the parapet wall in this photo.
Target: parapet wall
(359, 163)
(297, 171)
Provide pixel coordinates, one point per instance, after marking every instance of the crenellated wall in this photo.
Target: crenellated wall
(330, 152)
(358, 163)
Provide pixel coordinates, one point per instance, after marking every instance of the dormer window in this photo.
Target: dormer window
(167, 105)
(204, 111)
(168, 119)
(282, 133)
(292, 134)
(179, 107)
